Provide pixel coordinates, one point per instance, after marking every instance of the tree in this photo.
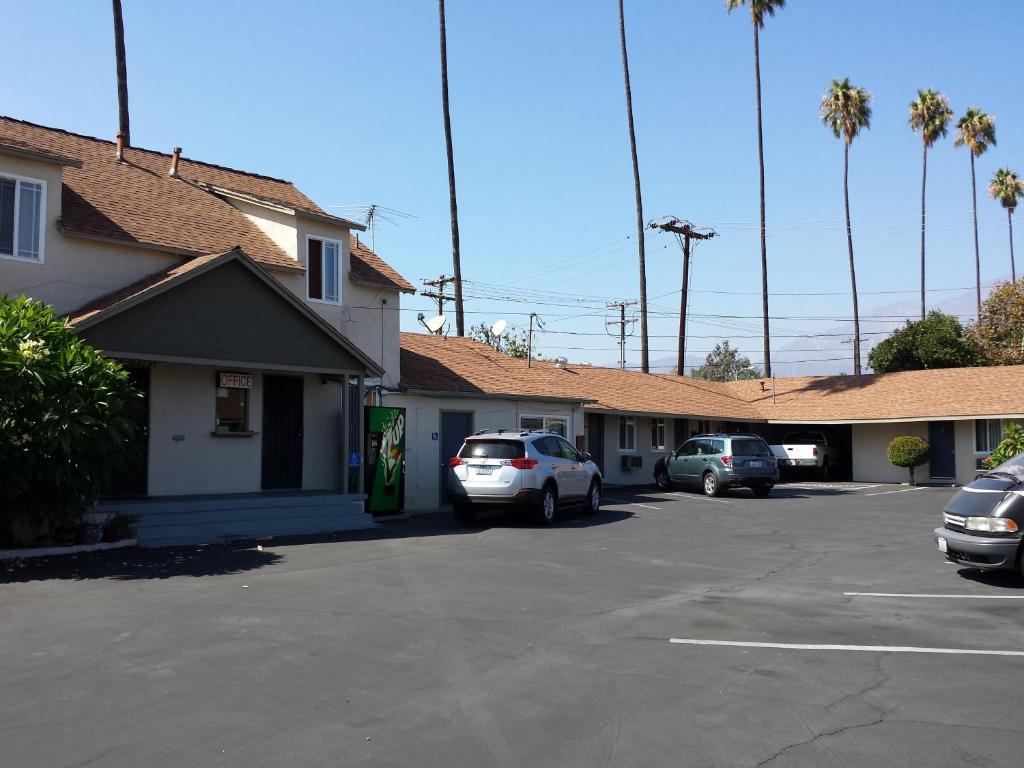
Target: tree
(929, 115)
(122, 75)
(453, 206)
(641, 254)
(846, 109)
(938, 341)
(512, 341)
(66, 418)
(1007, 188)
(976, 131)
(759, 10)
(908, 451)
(1000, 329)
(724, 363)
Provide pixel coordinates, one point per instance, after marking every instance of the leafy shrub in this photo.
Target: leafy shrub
(1011, 445)
(908, 451)
(937, 341)
(66, 419)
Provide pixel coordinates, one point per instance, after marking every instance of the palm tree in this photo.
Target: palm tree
(976, 131)
(759, 9)
(930, 114)
(122, 75)
(641, 254)
(846, 108)
(1007, 188)
(453, 206)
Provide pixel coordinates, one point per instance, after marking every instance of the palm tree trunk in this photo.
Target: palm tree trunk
(924, 177)
(764, 245)
(453, 205)
(977, 252)
(853, 271)
(122, 75)
(641, 253)
(1013, 265)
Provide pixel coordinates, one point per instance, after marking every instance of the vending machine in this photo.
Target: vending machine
(385, 459)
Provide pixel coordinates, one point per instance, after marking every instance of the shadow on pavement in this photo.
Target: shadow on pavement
(1000, 579)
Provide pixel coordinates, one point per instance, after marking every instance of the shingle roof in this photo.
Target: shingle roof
(368, 267)
(436, 364)
(137, 202)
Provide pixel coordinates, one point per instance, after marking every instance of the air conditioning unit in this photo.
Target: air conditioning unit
(632, 462)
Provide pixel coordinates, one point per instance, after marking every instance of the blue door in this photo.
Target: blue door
(942, 440)
(455, 427)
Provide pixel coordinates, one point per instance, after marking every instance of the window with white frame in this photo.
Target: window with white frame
(323, 261)
(988, 433)
(22, 217)
(627, 433)
(658, 434)
(556, 424)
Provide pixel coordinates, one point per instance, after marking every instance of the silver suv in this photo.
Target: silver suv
(718, 461)
(536, 470)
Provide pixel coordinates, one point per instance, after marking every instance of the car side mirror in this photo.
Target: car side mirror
(584, 456)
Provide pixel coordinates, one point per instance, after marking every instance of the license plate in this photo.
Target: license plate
(484, 470)
(943, 547)
(756, 464)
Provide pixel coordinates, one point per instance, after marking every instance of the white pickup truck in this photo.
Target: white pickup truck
(805, 450)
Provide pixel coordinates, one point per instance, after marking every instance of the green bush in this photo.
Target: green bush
(66, 419)
(1011, 445)
(908, 451)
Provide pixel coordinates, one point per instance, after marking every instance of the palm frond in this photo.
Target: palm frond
(759, 9)
(976, 130)
(930, 115)
(1007, 188)
(846, 109)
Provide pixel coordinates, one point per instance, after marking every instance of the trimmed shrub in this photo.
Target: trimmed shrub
(908, 451)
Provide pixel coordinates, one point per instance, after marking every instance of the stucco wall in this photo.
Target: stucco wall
(870, 442)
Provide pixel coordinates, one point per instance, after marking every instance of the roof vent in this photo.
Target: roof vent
(120, 146)
(175, 158)
(764, 387)
(561, 362)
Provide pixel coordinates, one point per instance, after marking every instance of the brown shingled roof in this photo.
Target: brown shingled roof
(367, 267)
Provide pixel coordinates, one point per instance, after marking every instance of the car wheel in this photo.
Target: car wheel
(464, 515)
(662, 480)
(548, 506)
(762, 490)
(822, 472)
(711, 486)
(593, 499)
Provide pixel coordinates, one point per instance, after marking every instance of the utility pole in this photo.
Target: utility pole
(529, 337)
(621, 322)
(440, 283)
(684, 232)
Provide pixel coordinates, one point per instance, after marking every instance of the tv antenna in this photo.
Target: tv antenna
(370, 213)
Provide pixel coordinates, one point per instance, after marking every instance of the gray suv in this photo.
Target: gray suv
(718, 461)
(535, 470)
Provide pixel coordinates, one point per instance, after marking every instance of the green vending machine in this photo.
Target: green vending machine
(385, 459)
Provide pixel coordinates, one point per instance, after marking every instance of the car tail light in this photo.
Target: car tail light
(814, 451)
(524, 463)
(727, 460)
(454, 462)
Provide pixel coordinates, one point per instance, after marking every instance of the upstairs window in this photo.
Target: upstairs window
(323, 258)
(21, 218)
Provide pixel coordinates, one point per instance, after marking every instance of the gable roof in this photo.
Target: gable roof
(436, 365)
(370, 269)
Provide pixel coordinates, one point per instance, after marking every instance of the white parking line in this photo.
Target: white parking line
(631, 503)
(864, 648)
(953, 597)
(902, 490)
(699, 496)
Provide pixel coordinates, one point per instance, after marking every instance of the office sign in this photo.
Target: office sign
(228, 380)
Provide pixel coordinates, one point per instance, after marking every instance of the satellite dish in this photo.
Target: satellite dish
(435, 324)
(498, 328)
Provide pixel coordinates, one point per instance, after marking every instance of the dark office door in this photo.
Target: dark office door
(943, 454)
(455, 426)
(595, 438)
(130, 477)
(282, 432)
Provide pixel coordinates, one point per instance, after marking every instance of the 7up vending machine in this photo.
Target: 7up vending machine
(385, 459)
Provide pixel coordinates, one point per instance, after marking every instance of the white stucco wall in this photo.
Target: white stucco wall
(870, 442)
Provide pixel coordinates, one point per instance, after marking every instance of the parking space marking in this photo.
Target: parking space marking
(699, 496)
(902, 490)
(953, 597)
(631, 503)
(863, 648)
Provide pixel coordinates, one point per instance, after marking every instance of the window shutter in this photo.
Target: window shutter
(315, 269)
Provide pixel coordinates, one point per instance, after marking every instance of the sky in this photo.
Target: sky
(343, 99)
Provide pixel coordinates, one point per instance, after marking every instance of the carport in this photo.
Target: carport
(839, 437)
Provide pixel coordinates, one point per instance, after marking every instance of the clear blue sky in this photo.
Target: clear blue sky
(343, 99)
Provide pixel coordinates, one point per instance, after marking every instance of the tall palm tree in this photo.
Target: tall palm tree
(453, 206)
(122, 75)
(929, 115)
(759, 10)
(976, 131)
(1007, 188)
(641, 254)
(846, 108)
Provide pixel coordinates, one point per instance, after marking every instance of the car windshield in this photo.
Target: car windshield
(750, 448)
(1014, 466)
(492, 449)
(803, 437)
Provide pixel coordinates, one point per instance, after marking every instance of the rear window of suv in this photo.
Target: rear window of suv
(750, 448)
(493, 449)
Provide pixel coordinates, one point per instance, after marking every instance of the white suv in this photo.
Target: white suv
(537, 470)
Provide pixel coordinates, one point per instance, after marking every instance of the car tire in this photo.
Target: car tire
(464, 514)
(822, 471)
(710, 484)
(761, 490)
(662, 480)
(548, 506)
(593, 505)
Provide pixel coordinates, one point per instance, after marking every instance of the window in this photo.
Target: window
(566, 451)
(988, 433)
(492, 449)
(322, 267)
(556, 424)
(750, 448)
(627, 433)
(658, 434)
(22, 203)
(232, 410)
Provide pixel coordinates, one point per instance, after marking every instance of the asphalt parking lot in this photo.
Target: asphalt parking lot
(511, 645)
